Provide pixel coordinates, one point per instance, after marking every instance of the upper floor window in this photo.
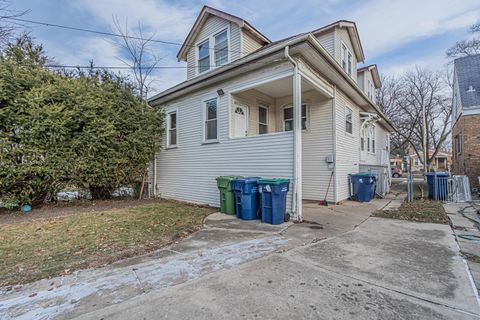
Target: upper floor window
(211, 132)
(262, 119)
(348, 120)
(288, 118)
(371, 139)
(172, 129)
(203, 56)
(221, 48)
(347, 63)
(369, 92)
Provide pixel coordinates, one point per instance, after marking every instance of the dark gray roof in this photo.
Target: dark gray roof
(467, 74)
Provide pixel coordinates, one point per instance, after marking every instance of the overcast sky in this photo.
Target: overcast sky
(397, 35)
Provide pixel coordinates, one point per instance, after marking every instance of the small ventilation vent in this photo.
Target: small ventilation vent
(471, 89)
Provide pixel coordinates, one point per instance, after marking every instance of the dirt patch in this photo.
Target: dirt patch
(89, 237)
(470, 257)
(60, 209)
(418, 211)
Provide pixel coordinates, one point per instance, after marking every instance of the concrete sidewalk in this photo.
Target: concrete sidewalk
(384, 269)
(341, 265)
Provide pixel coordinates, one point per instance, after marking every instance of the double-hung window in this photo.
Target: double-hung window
(262, 119)
(203, 56)
(347, 59)
(172, 129)
(344, 56)
(221, 48)
(211, 132)
(371, 139)
(348, 120)
(288, 118)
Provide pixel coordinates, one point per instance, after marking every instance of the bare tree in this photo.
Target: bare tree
(418, 103)
(8, 26)
(138, 55)
(466, 47)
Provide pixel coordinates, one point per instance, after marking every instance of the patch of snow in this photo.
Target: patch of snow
(116, 284)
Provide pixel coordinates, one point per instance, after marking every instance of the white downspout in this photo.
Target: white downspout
(297, 142)
(334, 134)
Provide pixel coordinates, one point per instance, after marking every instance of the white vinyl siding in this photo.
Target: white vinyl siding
(317, 144)
(327, 41)
(188, 173)
(249, 43)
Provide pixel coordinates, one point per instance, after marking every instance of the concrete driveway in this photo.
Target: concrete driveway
(368, 268)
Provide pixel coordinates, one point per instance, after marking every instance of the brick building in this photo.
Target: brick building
(466, 118)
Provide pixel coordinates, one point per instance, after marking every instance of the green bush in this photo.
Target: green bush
(56, 129)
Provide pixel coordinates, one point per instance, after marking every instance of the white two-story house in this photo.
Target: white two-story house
(296, 108)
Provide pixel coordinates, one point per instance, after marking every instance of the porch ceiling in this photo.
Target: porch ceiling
(281, 87)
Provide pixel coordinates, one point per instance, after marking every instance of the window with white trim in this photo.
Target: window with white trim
(221, 48)
(203, 56)
(262, 119)
(347, 59)
(211, 128)
(172, 129)
(348, 120)
(371, 139)
(288, 122)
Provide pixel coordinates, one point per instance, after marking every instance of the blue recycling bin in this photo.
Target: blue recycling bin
(437, 185)
(363, 186)
(246, 198)
(274, 199)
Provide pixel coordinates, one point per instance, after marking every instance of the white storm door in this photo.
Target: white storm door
(240, 120)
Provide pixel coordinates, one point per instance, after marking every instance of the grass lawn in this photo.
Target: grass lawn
(418, 210)
(35, 250)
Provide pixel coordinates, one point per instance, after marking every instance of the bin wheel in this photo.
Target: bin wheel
(287, 217)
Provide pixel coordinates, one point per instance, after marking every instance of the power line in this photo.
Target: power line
(105, 33)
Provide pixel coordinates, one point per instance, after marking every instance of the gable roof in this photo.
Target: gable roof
(203, 16)
(375, 75)
(467, 73)
(352, 31)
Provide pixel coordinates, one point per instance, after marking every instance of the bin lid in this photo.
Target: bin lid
(227, 178)
(364, 174)
(273, 181)
(247, 179)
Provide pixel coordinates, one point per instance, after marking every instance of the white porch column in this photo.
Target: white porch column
(297, 107)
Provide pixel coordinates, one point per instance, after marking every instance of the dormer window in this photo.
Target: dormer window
(203, 57)
(221, 48)
(347, 63)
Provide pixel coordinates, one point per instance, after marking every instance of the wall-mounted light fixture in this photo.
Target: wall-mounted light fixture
(220, 92)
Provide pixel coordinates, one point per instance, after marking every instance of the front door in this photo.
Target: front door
(240, 120)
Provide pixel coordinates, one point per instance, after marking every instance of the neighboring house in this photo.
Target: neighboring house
(296, 108)
(442, 162)
(466, 118)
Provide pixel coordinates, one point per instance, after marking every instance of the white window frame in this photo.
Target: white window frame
(346, 57)
(372, 141)
(211, 51)
(227, 30)
(351, 121)
(169, 113)
(307, 117)
(266, 108)
(204, 121)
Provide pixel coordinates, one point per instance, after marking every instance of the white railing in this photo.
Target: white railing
(459, 189)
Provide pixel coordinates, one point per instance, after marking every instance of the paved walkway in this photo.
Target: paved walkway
(342, 265)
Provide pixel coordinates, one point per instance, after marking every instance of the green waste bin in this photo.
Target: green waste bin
(227, 196)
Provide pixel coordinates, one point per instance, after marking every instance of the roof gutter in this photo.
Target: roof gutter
(157, 99)
(297, 138)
